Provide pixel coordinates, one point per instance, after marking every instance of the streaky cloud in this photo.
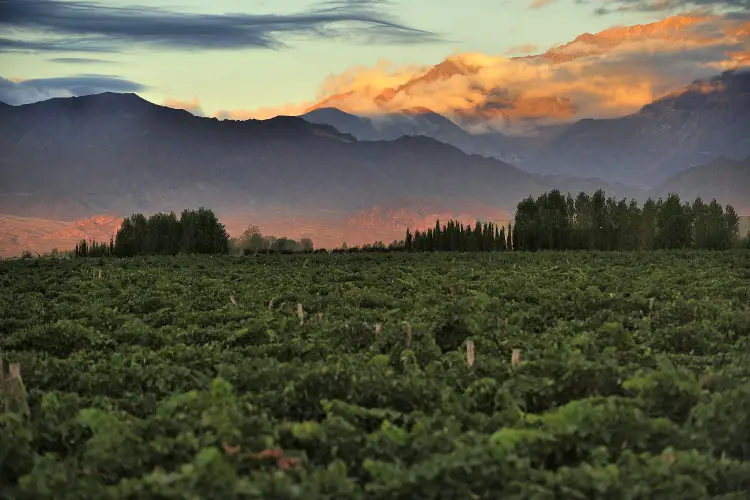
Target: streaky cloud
(89, 27)
(79, 60)
(67, 44)
(741, 7)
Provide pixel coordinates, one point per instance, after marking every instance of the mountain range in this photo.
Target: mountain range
(687, 128)
(112, 154)
(71, 158)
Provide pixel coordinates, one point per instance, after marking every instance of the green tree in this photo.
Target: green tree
(649, 215)
(674, 224)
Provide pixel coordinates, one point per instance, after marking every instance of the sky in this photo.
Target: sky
(235, 57)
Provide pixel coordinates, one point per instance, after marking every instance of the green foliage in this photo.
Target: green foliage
(195, 232)
(555, 222)
(251, 241)
(195, 377)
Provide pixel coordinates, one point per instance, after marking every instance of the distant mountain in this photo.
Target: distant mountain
(703, 121)
(707, 120)
(69, 158)
(726, 180)
(425, 122)
(359, 126)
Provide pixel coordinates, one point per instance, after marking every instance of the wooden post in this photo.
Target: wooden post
(12, 390)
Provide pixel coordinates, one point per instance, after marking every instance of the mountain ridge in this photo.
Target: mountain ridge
(75, 158)
(682, 129)
(705, 120)
(724, 179)
(148, 151)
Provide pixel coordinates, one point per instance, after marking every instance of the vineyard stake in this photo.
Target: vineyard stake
(515, 358)
(408, 333)
(300, 313)
(11, 387)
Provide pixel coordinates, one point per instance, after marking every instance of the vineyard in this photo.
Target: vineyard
(572, 375)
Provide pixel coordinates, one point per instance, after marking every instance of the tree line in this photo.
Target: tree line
(455, 237)
(553, 221)
(252, 241)
(195, 232)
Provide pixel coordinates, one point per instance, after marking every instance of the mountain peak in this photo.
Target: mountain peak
(113, 97)
(673, 27)
(730, 88)
(450, 67)
(446, 69)
(417, 110)
(330, 101)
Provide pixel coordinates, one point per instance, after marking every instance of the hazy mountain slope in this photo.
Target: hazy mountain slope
(484, 93)
(424, 122)
(117, 153)
(708, 120)
(358, 126)
(65, 160)
(726, 180)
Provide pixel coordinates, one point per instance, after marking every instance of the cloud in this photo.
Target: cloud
(86, 26)
(289, 109)
(609, 74)
(27, 91)
(193, 106)
(613, 6)
(79, 60)
(360, 82)
(55, 45)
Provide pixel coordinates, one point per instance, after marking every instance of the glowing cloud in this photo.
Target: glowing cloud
(193, 106)
(612, 73)
(608, 74)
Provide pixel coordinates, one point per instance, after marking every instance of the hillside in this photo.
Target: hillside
(425, 122)
(641, 122)
(726, 180)
(707, 120)
(70, 158)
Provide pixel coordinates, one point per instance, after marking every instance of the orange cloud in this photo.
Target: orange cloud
(371, 81)
(359, 82)
(193, 106)
(263, 113)
(608, 74)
